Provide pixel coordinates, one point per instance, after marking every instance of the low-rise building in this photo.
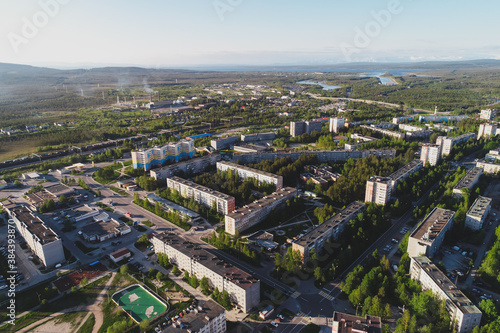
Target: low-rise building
(258, 137)
(429, 235)
(488, 167)
(243, 288)
(101, 231)
(170, 206)
(246, 172)
(224, 143)
(347, 323)
(493, 155)
(3, 184)
(39, 237)
(120, 254)
(202, 195)
(475, 217)
(468, 181)
(331, 229)
(207, 317)
(394, 134)
(195, 165)
(248, 148)
(378, 190)
(405, 172)
(463, 313)
(253, 213)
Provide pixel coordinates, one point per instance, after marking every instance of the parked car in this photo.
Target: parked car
(274, 323)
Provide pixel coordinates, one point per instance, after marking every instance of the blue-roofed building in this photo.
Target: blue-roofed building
(194, 137)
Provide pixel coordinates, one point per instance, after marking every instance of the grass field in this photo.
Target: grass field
(138, 303)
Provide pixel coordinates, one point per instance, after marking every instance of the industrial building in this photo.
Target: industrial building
(447, 143)
(39, 237)
(253, 213)
(476, 216)
(378, 190)
(207, 317)
(193, 166)
(224, 143)
(468, 181)
(202, 195)
(405, 172)
(331, 229)
(463, 313)
(430, 153)
(347, 323)
(157, 156)
(242, 287)
(429, 235)
(336, 124)
(245, 172)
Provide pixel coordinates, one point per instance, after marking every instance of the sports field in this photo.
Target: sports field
(139, 303)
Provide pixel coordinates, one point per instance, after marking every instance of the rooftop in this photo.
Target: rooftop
(479, 206)
(58, 189)
(432, 225)
(201, 188)
(349, 323)
(209, 260)
(35, 225)
(118, 253)
(262, 202)
(469, 178)
(101, 228)
(454, 294)
(344, 215)
(198, 318)
(172, 205)
(407, 168)
(379, 179)
(242, 167)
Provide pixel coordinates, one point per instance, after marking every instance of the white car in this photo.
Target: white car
(274, 323)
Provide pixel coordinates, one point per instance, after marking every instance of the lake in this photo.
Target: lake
(324, 85)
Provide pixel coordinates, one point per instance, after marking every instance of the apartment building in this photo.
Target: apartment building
(193, 166)
(429, 235)
(242, 287)
(463, 313)
(207, 317)
(253, 213)
(258, 137)
(447, 143)
(157, 156)
(405, 172)
(378, 190)
(476, 216)
(410, 128)
(39, 237)
(336, 124)
(430, 153)
(298, 128)
(394, 134)
(440, 118)
(202, 195)
(331, 229)
(246, 172)
(488, 114)
(487, 130)
(488, 167)
(347, 323)
(492, 155)
(468, 181)
(224, 143)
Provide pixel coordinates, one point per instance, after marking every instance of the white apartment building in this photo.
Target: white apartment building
(207, 317)
(336, 124)
(475, 217)
(488, 167)
(378, 190)
(429, 235)
(487, 130)
(488, 114)
(253, 213)
(242, 287)
(202, 195)
(462, 311)
(430, 153)
(447, 143)
(405, 172)
(468, 181)
(40, 238)
(246, 172)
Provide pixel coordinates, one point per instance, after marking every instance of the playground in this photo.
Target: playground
(139, 303)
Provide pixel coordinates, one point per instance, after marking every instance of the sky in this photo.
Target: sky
(192, 33)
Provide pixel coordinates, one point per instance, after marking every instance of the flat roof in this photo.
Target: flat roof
(407, 168)
(479, 206)
(379, 179)
(58, 189)
(201, 188)
(195, 320)
(34, 224)
(100, 228)
(209, 260)
(243, 167)
(39, 197)
(172, 205)
(349, 323)
(433, 224)
(182, 163)
(469, 177)
(262, 202)
(454, 294)
(344, 215)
